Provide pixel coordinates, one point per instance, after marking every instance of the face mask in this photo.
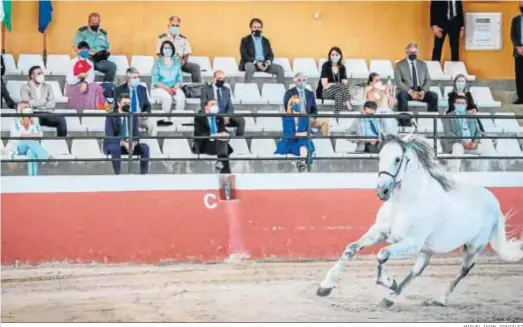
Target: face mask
(40, 79)
(168, 52)
(215, 109)
(296, 107)
(174, 30)
(219, 83)
(460, 108)
(335, 59)
(135, 82)
(460, 85)
(83, 54)
(126, 107)
(95, 27)
(257, 33)
(378, 85)
(412, 56)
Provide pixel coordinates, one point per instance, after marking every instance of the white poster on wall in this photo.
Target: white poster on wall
(483, 31)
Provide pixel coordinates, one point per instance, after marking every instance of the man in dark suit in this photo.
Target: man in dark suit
(222, 94)
(5, 94)
(516, 36)
(446, 17)
(121, 126)
(139, 99)
(308, 99)
(256, 54)
(413, 82)
(214, 128)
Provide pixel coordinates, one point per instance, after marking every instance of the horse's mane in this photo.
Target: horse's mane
(425, 154)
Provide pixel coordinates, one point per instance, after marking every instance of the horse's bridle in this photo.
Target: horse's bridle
(384, 172)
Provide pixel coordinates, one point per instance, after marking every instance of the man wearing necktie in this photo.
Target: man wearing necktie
(139, 99)
(120, 126)
(516, 36)
(367, 127)
(446, 17)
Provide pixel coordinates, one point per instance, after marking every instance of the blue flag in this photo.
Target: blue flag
(45, 14)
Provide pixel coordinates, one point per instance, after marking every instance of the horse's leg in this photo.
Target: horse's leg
(405, 248)
(421, 263)
(374, 235)
(469, 260)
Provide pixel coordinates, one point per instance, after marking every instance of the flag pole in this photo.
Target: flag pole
(45, 48)
(3, 38)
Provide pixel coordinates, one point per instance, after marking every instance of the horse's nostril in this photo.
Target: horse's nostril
(386, 191)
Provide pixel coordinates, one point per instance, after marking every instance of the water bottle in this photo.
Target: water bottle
(227, 189)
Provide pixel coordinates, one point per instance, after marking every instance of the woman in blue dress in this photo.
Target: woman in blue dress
(295, 129)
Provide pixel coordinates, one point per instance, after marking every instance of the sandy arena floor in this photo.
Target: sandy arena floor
(251, 291)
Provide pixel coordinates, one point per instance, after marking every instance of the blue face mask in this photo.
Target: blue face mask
(335, 59)
(174, 30)
(460, 108)
(83, 54)
(296, 107)
(167, 52)
(460, 85)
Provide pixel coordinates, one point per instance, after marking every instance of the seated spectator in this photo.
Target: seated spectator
(333, 81)
(256, 54)
(308, 101)
(382, 96)
(183, 49)
(120, 126)
(367, 127)
(167, 80)
(460, 88)
(295, 130)
(139, 99)
(41, 98)
(461, 127)
(5, 94)
(99, 46)
(82, 92)
(214, 128)
(218, 91)
(27, 127)
(413, 82)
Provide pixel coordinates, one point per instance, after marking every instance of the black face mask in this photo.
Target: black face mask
(413, 56)
(220, 83)
(126, 108)
(257, 33)
(95, 27)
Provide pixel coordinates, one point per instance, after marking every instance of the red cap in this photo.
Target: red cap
(81, 66)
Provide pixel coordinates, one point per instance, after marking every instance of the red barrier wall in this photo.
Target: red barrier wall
(152, 226)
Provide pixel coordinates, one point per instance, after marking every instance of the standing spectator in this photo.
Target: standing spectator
(466, 131)
(5, 94)
(41, 97)
(99, 46)
(413, 82)
(217, 142)
(167, 80)
(256, 54)
(308, 101)
(82, 92)
(446, 17)
(295, 131)
(182, 48)
(516, 36)
(27, 127)
(120, 126)
(333, 81)
(385, 101)
(367, 127)
(139, 99)
(218, 91)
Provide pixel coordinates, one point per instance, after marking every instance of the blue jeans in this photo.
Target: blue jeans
(33, 150)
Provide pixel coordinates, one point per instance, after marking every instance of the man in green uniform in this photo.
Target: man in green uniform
(99, 45)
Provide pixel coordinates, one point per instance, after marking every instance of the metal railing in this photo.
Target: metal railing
(254, 135)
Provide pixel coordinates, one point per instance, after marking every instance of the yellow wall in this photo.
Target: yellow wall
(373, 30)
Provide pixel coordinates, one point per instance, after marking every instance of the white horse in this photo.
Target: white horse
(425, 213)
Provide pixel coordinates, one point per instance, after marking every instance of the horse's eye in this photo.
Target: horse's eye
(397, 161)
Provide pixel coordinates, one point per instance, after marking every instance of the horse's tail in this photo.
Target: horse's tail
(507, 249)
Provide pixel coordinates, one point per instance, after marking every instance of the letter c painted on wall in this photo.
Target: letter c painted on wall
(207, 203)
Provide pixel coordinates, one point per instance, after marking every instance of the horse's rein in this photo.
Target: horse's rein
(398, 170)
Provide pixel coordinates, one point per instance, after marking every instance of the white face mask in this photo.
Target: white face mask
(215, 109)
(40, 79)
(135, 82)
(379, 86)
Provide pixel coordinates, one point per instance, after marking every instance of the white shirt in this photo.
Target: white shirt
(38, 88)
(451, 12)
(18, 130)
(72, 80)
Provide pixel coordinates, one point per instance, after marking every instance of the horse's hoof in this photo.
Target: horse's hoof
(434, 303)
(386, 303)
(324, 291)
